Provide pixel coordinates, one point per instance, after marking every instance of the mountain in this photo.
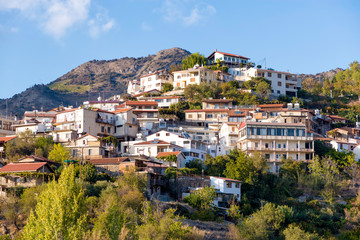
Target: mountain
(320, 77)
(89, 80)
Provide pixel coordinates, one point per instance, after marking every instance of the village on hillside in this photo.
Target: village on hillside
(220, 127)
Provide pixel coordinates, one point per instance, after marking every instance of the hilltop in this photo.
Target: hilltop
(86, 81)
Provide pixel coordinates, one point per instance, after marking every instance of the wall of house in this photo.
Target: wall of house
(19, 181)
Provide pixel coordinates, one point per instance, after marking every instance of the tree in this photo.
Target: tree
(202, 198)
(59, 153)
(195, 164)
(60, 212)
(167, 87)
(23, 145)
(295, 233)
(263, 89)
(43, 146)
(215, 166)
(192, 60)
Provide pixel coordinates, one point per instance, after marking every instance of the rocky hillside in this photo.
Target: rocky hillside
(87, 81)
(321, 76)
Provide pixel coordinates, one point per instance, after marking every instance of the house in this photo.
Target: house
(126, 124)
(106, 105)
(96, 122)
(12, 175)
(32, 125)
(217, 103)
(153, 147)
(223, 76)
(133, 87)
(44, 117)
(152, 92)
(204, 116)
(227, 190)
(166, 101)
(195, 75)
(228, 136)
(90, 147)
(180, 157)
(110, 166)
(337, 119)
(282, 83)
(276, 141)
(6, 125)
(227, 58)
(146, 111)
(192, 149)
(37, 159)
(155, 80)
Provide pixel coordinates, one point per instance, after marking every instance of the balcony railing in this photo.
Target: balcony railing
(108, 121)
(279, 137)
(278, 149)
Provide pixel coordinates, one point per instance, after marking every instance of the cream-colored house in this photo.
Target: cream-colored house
(217, 103)
(126, 124)
(195, 75)
(155, 80)
(202, 116)
(276, 141)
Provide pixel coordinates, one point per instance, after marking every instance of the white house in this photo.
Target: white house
(227, 189)
(192, 149)
(195, 75)
(133, 87)
(152, 148)
(107, 105)
(228, 136)
(126, 124)
(282, 83)
(155, 80)
(166, 101)
(227, 58)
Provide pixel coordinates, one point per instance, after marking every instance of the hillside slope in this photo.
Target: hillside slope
(87, 81)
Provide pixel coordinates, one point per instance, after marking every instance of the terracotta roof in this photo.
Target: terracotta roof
(235, 113)
(141, 103)
(226, 179)
(217, 100)
(207, 110)
(104, 161)
(68, 110)
(152, 142)
(22, 167)
(121, 110)
(228, 54)
(336, 117)
(32, 114)
(6, 139)
(164, 154)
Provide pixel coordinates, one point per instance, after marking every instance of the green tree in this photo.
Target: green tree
(195, 164)
(263, 89)
(215, 166)
(59, 153)
(296, 233)
(192, 60)
(167, 87)
(202, 198)
(23, 145)
(60, 212)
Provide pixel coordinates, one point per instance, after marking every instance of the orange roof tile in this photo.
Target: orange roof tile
(141, 103)
(6, 139)
(164, 154)
(22, 167)
(121, 110)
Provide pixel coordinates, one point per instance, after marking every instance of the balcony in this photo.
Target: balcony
(277, 149)
(106, 121)
(309, 137)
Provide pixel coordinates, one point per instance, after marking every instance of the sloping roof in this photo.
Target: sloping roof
(217, 100)
(271, 105)
(86, 136)
(164, 154)
(22, 167)
(226, 179)
(227, 54)
(167, 97)
(6, 139)
(141, 103)
(142, 93)
(122, 110)
(237, 113)
(105, 161)
(152, 142)
(37, 159)
(337, 117)
(40, 114)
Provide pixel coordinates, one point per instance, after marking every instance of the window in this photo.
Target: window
(269, 74)
(279, 84)
(308, 156)
(291, 132)
(158, 134)
(279, 75)
(278, 91)
(102, 129)
(228, 184)
(237, 185)
(266, 145)
(267, 156)
(190, 116)
(89, 152)
(167, 134)
(279, 145)
(108, 129)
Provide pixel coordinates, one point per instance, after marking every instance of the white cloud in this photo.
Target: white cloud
(187, 12)
(56, 17)
(100, 24)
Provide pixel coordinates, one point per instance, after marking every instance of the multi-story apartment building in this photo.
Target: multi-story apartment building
(282, 83)
(106, 105)
(155, 80)
(228, 136)
(276, 141)
(94, 122)
(195, 75)
(217, 103)
(227, 58)
(203, 116)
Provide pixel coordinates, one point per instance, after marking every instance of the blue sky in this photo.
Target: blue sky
(40, 40)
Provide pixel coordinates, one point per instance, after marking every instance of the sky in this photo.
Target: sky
(40, 40)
